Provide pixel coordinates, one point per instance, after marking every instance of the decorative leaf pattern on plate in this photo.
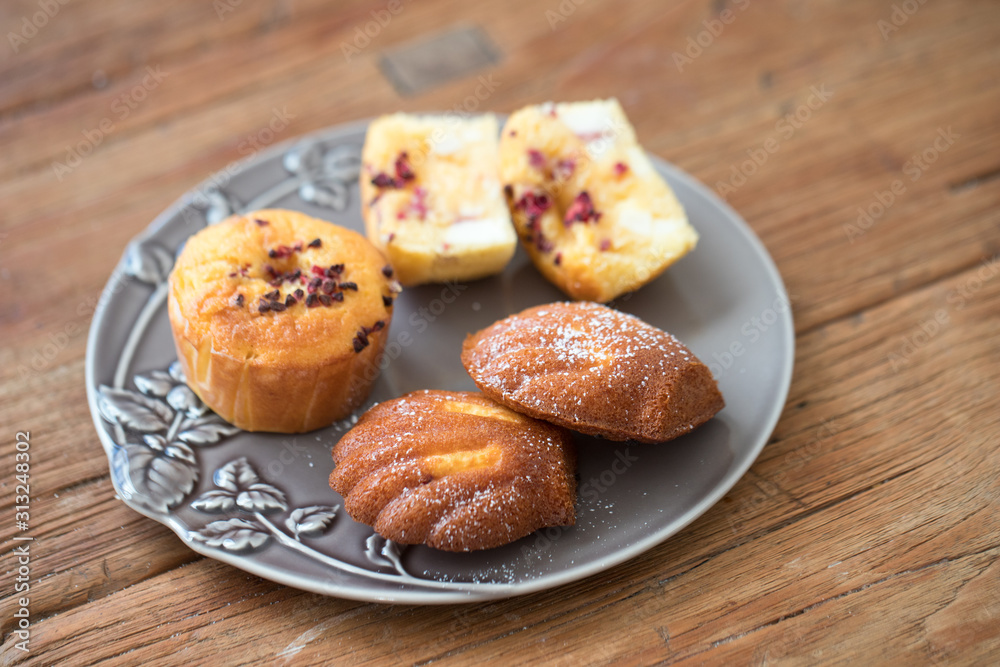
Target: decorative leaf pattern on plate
(303, 159)
(384, 553)
(154, 383)
(333, 195)
(134, 410)
(161, 478)
(214, 501)
(236, 475)
(221, 205)
(261, 497)
(177, 450)
(182, 399)
(240, 487)
(207, 430)
(159, 469)
(326, 172)
(341, 165)
(176, 371)
(236, 534)
(310, 521)
(148, 261)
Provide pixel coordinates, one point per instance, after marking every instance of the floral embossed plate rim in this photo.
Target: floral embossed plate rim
(261, 501)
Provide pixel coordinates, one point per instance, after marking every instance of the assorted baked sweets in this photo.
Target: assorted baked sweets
(591, 210)
(432, 198)
(595, 370)
(454, 471)
(279, 319)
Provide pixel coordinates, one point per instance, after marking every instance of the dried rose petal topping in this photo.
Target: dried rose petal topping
(564, 169)
(620, 169)
(315, 243)
(605, 244)
(239, 300)
(417, 206)
(360, 341)
(581, 210)
(387, 271)
(536, 159)
(533, 204)
(261, 223)
(384, 180)
(403, 169)
(349, 285)
(280, 251)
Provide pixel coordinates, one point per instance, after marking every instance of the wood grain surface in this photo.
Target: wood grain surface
(869, 529)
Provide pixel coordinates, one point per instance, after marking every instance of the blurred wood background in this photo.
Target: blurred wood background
(868, 530)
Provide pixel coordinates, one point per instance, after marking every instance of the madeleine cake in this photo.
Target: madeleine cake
(280, 319)
(595, 370)
(454, 471)
(592, 212)
(432, 199)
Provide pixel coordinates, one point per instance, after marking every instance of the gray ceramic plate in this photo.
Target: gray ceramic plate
(261, 502)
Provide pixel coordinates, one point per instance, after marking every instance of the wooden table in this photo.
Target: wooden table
(860, 140)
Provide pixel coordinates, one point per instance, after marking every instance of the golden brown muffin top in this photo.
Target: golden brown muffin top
(280, 286)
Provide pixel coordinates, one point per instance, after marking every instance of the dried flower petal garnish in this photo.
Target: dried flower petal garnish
(582, 210)
(403, 169)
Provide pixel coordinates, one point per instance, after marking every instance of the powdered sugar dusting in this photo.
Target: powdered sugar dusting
(583, 362)
(453, 470)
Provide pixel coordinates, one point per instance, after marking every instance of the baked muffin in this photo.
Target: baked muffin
(454, 471)
(592, 212)
(431, 197)
(595, 370)
(280, 319)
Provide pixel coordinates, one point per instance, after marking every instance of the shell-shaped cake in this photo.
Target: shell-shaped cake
(595, 370)
(280, 319)
(454, 471)
(592, 212)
